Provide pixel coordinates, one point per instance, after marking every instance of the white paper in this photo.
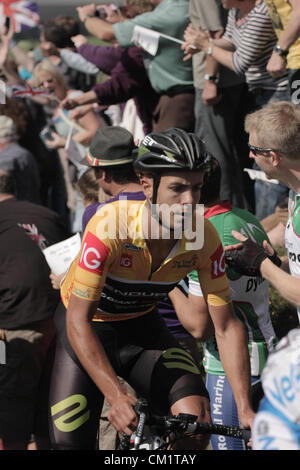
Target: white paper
(259, 175)
(60, 255)
(76, 152)
(149, 39)
(69, 136)
(146, 38)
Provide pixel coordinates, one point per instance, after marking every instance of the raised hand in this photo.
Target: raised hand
(79, 40)
(246, 257)
(85, 10)
(68, 103)
(197, 37)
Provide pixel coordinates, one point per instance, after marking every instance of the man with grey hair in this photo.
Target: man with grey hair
(19, 161)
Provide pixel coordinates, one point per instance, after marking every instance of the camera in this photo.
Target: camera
(101, 13)
(46, 134)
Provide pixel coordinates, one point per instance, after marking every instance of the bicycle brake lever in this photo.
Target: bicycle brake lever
(141, 409)
(141, 406)
(140, 430)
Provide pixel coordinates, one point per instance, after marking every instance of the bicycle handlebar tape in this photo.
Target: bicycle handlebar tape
(224, 430)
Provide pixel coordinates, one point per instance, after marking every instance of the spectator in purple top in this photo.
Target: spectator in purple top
(128, 79)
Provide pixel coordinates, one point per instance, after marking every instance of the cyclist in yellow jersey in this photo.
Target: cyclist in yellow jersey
(132, 255)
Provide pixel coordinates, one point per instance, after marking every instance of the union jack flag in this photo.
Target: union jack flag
(27, 91)
(33, 233)
(24, 14)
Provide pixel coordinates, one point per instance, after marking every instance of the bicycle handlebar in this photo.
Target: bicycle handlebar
(223, 430)
(182, 423)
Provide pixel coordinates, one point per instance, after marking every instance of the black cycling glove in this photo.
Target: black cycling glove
(248, 259)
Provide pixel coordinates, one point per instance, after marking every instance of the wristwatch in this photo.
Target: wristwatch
(279, 51)
(212, 78)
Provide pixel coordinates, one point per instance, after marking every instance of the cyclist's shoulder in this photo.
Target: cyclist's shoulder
(226, 218)
(243, 221)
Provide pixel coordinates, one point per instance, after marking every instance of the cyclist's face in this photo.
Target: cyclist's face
(181, 192)
(180, 188)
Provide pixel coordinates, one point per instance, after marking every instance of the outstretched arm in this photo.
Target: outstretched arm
(288, 286)
(96, 26)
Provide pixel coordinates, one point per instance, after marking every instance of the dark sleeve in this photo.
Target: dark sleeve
(88, 214)
(127, 79)
(104, 57)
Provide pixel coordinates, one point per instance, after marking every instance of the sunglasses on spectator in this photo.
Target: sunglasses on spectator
(255, 150)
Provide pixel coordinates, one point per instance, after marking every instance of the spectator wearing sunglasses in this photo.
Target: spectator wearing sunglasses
(274, 142)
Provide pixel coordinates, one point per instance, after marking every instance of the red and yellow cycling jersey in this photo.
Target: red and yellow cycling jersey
(114, 265)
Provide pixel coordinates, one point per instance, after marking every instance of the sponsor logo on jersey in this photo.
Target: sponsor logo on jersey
(218, 263)
(131, 247)
(126, 261)
(93, 254)
(294, 257)
(186, 263)
(148, 141)
(253, 283)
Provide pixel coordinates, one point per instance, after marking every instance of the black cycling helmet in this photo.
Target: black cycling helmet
(173, 149)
